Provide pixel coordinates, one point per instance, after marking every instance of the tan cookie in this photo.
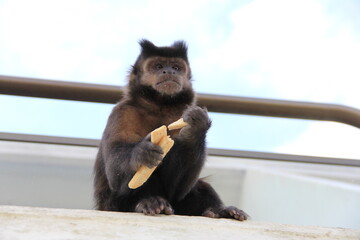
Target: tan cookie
(177, 125)
(159, 137)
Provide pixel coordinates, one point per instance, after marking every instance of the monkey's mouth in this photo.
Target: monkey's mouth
(168, 86)
(168, 81)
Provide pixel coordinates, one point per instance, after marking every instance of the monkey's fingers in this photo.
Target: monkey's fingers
(178, 124)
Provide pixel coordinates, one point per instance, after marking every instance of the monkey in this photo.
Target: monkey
(159, 92)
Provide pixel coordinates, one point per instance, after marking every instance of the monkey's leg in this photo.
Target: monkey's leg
(202, 200)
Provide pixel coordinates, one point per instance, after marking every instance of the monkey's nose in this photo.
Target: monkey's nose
(168, 70)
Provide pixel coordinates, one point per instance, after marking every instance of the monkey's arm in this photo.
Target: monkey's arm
(125, 150)
(190, 147)
(200, 198)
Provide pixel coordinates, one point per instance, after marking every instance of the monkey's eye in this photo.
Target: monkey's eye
(158, 66)
(176, 67)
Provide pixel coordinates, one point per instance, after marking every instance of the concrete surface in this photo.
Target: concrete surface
(17, 223)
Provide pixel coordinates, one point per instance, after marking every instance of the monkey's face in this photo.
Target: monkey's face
(168, 76)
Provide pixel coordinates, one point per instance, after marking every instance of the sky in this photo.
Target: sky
(298, 50)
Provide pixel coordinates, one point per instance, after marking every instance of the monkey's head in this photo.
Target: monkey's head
(164, 69)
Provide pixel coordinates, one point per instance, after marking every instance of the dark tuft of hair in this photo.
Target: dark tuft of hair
(178, 49)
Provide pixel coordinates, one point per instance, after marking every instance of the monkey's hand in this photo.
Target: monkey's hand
(198, 122)
(146, 153)
(226, 212)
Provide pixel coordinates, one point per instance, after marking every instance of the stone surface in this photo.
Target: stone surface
(46, 223)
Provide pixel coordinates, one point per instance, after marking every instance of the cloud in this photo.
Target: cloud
(95, 41)
(326, 139)
(63, 40)
(293, 49)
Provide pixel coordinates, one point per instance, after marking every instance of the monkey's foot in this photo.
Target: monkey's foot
(153, 206)
(226, 212)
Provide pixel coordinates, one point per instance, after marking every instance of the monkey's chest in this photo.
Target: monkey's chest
(153, 121)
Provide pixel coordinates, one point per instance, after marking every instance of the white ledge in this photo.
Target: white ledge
(17, 223)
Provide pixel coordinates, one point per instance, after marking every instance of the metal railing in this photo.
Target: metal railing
(215, 103)
(31, 87)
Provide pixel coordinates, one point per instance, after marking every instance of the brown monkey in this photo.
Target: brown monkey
(159, 92)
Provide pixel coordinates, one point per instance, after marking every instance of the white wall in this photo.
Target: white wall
(61, 176)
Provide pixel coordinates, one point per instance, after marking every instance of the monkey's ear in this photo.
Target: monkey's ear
(146, 45)
(181, 46)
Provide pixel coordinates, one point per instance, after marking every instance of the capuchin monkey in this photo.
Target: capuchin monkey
(158, 93)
